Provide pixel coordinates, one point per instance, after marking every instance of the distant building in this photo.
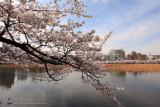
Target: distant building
(114, 57)
(134, 55)
(138, 55)
(144, 57)
(129, 57)
(111, 57)
(106, 57)
(119, 52)
(155, 56)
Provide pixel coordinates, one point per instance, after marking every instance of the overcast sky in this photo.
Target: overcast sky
(135, 23)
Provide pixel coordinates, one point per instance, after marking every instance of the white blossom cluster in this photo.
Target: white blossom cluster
(39, 28)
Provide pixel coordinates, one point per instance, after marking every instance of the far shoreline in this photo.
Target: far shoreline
(133, 67)
(113, 67)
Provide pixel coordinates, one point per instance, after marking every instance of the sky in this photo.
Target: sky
(135, 24)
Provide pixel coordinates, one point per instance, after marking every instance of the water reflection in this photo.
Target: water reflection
(22, 76)
(118, 73)
(141, 89)
(7, 76)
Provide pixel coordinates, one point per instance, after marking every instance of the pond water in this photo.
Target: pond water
(18, 89)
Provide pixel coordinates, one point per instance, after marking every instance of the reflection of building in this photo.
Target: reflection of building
(21, 76)
(120, 73)
(120, 53)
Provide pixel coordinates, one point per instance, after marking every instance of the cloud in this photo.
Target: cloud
(142, 29)
(122, 17)
(133, 37)
(142, 7)
(103, 1)
(153, 48)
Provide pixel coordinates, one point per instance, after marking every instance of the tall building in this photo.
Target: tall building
(112, 52)
(111, 57)
(138, 55)
(114, 57)
(119, 52)
(129, 57)
(134, 55)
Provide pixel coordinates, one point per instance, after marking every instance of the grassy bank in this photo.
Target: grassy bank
(113, 67)
(134, 67)
(10, 65)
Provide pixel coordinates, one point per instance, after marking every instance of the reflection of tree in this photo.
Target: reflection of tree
(136, 73)
(103, 87)
(21, 76)
(7, 76)
(118, 73)
(122, 74)
(35, 72)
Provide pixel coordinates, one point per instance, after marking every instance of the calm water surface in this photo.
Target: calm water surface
(18, 87)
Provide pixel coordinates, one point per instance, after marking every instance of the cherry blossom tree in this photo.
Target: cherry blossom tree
(38, 33)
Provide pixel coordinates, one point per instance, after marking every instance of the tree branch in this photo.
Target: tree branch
(24, 47)
(2, 33)
(48, 72)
